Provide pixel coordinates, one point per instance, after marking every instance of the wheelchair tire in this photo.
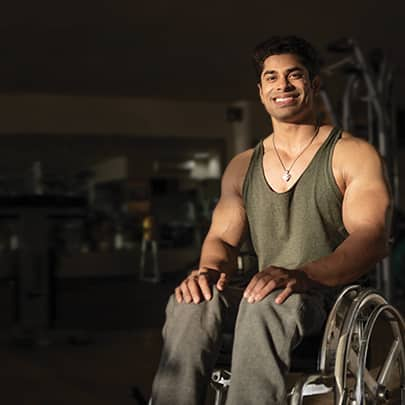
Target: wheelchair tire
(381, 371)
(353, 353)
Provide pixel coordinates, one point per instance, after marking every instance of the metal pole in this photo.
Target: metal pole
(382, 147)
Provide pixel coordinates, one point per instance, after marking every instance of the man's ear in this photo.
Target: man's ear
(259, 86)
(316, 84)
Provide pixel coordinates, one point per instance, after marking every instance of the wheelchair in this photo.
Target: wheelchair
(361, 360)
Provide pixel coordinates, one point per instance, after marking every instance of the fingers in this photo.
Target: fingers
(189, 291)
(178, 294)
(222, 281)
(251, 286)
(183, 292)
(263, 283)
(197, 287)
(262, 290)
(284, 294)
(259, 287)
(204, 284)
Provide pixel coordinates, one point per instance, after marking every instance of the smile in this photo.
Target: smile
(284, 100)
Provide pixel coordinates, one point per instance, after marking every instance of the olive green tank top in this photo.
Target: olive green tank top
(302, 224)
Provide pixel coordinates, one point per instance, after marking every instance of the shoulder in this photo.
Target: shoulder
(241, 160)
(350, 146)
(236, 170)
(350, 141)
(355, 156)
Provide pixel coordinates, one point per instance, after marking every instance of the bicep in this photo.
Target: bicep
(367, 200)
(229, 221)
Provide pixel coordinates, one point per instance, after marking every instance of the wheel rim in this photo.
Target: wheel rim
(372, 385)
(334, 327)
(347, 352)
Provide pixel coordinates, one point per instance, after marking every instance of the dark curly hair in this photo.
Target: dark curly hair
(278, 45)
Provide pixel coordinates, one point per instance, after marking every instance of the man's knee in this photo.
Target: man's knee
(191, 321)
(267, 307)
(264, 319)
(299, 315)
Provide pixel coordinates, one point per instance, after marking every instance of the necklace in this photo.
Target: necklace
(286, 176)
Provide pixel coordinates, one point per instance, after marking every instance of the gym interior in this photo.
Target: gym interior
(115, 129)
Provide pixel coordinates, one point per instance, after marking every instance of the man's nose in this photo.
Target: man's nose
(284, 84)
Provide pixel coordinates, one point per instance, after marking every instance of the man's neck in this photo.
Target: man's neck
(293, 136)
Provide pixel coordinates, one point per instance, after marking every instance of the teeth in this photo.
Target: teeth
(282, 99)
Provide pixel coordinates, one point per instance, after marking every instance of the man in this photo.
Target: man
(316, 205)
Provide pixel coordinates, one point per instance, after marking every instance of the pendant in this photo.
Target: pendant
(286, 176)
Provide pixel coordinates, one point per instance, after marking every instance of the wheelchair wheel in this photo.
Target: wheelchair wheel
(346, 363)
(355, 384)
(334, 328)
(381, 370)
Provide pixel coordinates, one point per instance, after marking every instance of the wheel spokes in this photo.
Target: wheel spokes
(389, 362)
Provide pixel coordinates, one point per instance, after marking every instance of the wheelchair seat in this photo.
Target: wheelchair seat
(361, 357)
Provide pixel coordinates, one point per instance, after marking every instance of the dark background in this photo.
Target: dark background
(178, 49)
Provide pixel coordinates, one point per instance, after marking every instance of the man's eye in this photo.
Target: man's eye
(270, 78)
(296, 75)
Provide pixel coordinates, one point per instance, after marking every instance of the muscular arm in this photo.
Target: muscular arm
(221, 246)
(226, 233)
(366, 215)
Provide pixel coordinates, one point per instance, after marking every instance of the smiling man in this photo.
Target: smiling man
(315, 203)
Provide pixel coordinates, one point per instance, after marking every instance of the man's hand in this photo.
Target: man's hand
(272, 278)
(198, 286)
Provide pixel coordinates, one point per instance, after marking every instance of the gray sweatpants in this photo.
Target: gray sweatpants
(264, 335)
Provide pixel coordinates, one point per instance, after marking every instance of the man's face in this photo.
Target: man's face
(286, 89)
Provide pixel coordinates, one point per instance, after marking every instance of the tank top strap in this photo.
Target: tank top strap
(254, 164)
(331, 140)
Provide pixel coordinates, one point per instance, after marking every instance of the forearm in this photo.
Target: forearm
(218, 255)
(351, 260)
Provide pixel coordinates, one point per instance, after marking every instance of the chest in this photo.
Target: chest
(282, 170)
